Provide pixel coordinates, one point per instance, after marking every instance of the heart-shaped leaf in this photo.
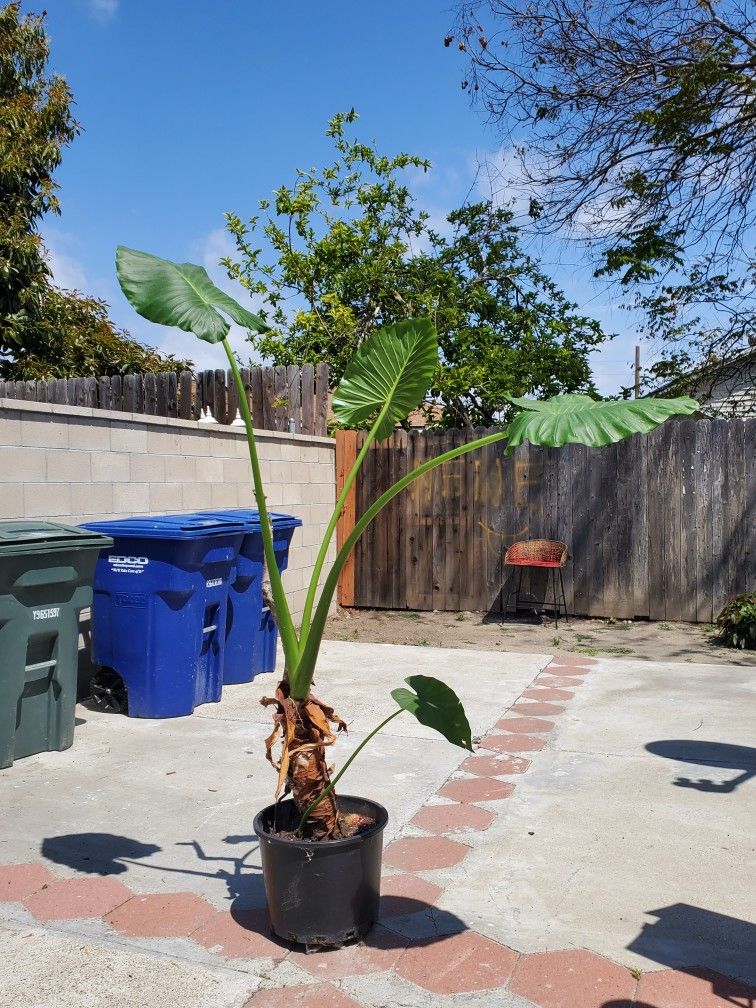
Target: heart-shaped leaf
(437, 706)
(579, 419)
(179, 294)
(393, 368)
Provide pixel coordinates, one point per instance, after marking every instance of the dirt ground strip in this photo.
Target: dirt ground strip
(530, 633)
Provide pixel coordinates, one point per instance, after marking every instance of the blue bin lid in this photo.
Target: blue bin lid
(251, 517)
(173, 526)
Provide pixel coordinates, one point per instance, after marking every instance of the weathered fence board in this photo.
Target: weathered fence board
(282, 398)
(660, 526)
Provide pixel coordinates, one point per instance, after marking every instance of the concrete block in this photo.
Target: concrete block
(296, 604)
(222, 444)
(280, 472)
(11, 500)
(109, 467)
(164, 442)
(85, 434)
(291, 452)
(126, 437)
(147, 468)
(131, 498)
(210, 470)
(64, 465)
(10, 427)
(44, 500)
(226, 496)
(320, 513)
(17, 464)
(196, 496)
(289, 495)
(308, 535)
(236, 470)
(92, 498)
(245, 494)
(166, 497)
(311, 493)
(43, 431)
(196, 443)
(180, 468)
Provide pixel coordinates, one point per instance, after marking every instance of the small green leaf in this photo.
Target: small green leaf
(179, 294)
(394, 367)
(437, 706)
(579, 419)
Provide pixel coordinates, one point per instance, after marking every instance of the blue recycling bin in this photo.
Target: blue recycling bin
(159, 609)
(251, 632)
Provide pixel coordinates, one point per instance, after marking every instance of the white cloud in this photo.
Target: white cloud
(501, 178)
(103, 10)
(66, 270)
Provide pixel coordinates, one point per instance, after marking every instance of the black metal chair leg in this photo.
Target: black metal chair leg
(517, 593)
(556, 607)
(564, 597)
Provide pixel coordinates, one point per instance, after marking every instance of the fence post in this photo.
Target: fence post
(346, 455)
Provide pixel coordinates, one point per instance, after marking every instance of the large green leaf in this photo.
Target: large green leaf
(393, 368)
(179, 294)
(579, 419)
(436, 705)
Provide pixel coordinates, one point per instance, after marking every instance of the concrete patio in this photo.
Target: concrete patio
(596, 852)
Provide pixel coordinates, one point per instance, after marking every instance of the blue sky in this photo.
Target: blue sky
(191, 109)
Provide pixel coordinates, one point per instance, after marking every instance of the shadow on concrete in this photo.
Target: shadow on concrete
(725, 991)
(95, 853)
(627, 1004)
(705, 944)
(710, 754)
(111, 854)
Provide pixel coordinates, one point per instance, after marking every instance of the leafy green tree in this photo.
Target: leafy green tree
(504, 327)
(44, 332)
(635, 126)
(346, 250)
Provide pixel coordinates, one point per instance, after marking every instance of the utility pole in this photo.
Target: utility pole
(637, 372)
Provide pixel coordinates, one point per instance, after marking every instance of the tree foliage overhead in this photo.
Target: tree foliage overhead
(635, 125)
(346, 250)
(44, 332)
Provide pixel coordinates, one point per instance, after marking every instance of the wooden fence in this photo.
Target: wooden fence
(661, 526)
(281, 398)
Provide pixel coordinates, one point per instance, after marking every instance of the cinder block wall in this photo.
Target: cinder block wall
(70, 464)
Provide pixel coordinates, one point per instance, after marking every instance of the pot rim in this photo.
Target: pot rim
(380, 824)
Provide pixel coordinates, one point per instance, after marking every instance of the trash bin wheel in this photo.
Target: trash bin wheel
(109, 691)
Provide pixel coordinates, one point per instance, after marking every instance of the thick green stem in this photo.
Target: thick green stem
(310, 647)
(326, 791)
(286, 629)
(323, 551)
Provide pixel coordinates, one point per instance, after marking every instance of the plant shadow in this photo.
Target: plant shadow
(112, 854)
(719, 755)
(400, 919)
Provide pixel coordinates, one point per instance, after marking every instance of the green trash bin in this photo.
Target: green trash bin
(46, 572)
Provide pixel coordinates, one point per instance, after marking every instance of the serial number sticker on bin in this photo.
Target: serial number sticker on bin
(127, 564)
(214, 583)
(38, 614)
(133, 600)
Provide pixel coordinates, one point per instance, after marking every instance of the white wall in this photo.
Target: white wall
(71, 464)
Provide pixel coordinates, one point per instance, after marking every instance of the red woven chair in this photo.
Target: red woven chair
(549, 553)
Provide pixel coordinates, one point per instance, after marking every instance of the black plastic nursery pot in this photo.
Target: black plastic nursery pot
(322, 892)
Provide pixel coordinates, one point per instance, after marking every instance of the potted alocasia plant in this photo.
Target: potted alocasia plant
(321, 853)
